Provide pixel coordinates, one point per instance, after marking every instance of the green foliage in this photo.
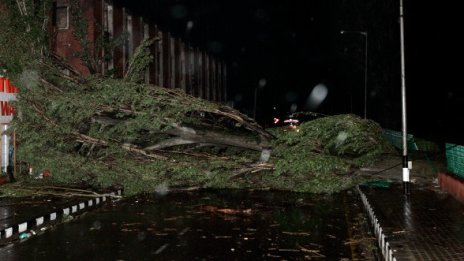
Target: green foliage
(140, 61)
(322, 151)
(426, 145)
(24, 35)
(346, 136)
(316, 159)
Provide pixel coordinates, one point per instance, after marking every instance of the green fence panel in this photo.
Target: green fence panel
(396, 139)
(455, 159)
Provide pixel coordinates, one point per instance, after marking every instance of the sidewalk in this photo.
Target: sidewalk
(20, 215)
(426, 225)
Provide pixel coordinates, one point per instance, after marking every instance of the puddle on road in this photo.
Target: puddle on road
(211, 225)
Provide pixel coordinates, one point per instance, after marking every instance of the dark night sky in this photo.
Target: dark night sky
(295, 45)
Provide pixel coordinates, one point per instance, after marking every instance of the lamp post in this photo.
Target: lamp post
(404, 129)
(363, 33)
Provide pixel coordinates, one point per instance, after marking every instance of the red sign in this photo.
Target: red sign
(7, 94)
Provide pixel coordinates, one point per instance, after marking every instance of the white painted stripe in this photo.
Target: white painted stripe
(39, 221)
(8, 232)
(384, 245)
(6, 119)
(7, 96)
(22, 227)
(388, 250)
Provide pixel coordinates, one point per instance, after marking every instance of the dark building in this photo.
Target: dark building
(177, 64)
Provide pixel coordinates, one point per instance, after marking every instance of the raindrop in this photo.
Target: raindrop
(189, 25)
(96, 225)
(141, 236)
(162, 189)
(341, 137)
(262, 37)
(262, 16)
(293, 108)
(178, 11)
(262, 82)
(265, 155)
(291, 96)
(238, 97)
(317, 96)
(29, 79)
(215, 47)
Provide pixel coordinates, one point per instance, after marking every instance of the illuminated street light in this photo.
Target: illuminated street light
(363, 33)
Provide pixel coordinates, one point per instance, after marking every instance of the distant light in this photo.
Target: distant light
(291, 121)
(276, 120)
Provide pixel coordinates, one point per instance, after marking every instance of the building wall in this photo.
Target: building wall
(64, 43)
(176, 63)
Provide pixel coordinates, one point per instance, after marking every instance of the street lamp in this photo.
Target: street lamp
(363, 33)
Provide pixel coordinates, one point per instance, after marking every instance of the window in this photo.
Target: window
(61, 20)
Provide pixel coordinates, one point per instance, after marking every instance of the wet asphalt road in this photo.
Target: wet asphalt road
(206, 225)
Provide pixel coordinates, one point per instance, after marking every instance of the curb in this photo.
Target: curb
(41, 220)
(382, 240)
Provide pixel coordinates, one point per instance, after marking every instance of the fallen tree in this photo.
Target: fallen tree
(102, 132)
(106, 132)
